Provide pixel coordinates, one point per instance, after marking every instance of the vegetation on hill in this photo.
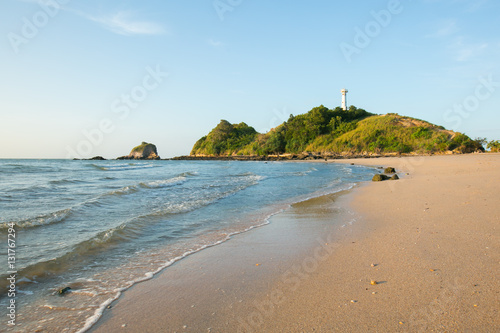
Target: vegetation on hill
(392, 133)
(141, 147)
(337, 131)
(225, 139)
(494, 146)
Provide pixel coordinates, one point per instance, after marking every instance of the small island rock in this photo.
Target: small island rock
(145, 151)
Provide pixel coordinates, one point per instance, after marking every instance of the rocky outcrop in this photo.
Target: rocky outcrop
(95, 158)
(389, 170)
(280, 157)
(145, 151)
(379, 177)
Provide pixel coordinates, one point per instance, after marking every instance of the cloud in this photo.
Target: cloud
(477, 5)
(29, 1)
(446, 28)
(461, 49)
(465, 51)
(215, 43)
(466, 5)
(123, 23)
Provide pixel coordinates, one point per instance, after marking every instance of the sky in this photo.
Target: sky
(86, 78)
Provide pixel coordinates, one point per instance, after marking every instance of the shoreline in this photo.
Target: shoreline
(249, 263)
(433, 262)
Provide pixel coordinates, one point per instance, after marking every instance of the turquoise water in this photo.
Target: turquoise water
(99, 227)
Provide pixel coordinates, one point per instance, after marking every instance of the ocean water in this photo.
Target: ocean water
(99, 227)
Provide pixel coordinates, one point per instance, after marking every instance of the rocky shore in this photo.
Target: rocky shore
(287, 157)
(148, 151)
(284, 157)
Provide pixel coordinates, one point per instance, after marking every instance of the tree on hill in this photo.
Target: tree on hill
(224, 139)
(301, 130)
(494, 146)
(275, 143)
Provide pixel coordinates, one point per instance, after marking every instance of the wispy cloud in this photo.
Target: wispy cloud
(124, 23)
(29, 1)
(466, 5)
(448, 33)
(445, 29)
(477, 5)
(120, 22)
(465, 51)
(215, 43)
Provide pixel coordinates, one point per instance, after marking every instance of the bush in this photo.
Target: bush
(464, 144)
(421, 132)
(494, 146)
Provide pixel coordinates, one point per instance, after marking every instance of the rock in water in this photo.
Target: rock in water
(145, 151)
(390, 170)
(64, 290)
(395, 177)
(379, 177)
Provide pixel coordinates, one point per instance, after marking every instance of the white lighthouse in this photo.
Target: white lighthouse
(344, 99)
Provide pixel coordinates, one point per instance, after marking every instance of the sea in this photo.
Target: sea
(76, 234)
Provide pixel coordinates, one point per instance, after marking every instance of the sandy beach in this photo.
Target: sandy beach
(420, 254)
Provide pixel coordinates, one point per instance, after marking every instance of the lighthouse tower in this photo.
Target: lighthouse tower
(344, 99)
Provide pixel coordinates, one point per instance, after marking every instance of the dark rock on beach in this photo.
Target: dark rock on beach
(379, 177)
(395, 177)
(64, 290)
(389, 170)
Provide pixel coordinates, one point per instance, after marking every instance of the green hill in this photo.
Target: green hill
(325, 131)
(225, 139)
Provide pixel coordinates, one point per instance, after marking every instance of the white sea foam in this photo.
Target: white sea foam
(124, 167)
(41, 220)
(165, 182)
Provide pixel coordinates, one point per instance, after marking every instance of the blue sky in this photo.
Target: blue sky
(86, 78)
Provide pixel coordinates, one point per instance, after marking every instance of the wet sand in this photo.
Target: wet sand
(430, 241)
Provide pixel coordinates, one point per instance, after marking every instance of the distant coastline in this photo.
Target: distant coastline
(324, 134)
(290, 157)
(282, 157)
